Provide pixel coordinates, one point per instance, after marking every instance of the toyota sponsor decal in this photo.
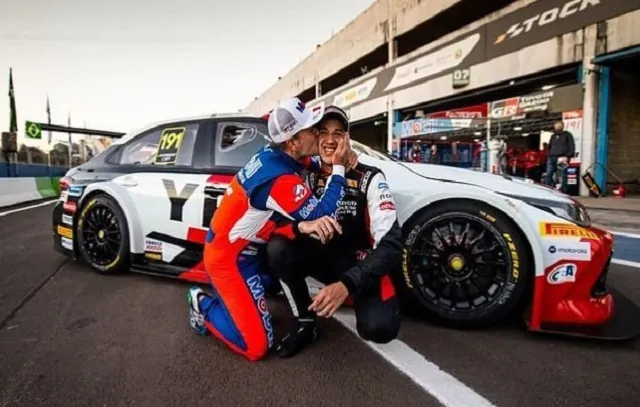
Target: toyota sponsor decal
(555, 100)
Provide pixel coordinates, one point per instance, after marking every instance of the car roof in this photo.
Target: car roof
(127, 136)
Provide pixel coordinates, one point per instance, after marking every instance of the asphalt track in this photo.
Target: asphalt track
(71, 337)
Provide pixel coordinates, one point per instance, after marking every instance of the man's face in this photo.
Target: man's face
(331, 132)
(558, 127)
(307, 142)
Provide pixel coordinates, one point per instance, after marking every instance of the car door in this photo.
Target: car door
(236, 140)
(167, 169)
(230, 146)
(182, 170)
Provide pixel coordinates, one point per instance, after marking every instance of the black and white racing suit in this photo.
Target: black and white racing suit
(368, 250)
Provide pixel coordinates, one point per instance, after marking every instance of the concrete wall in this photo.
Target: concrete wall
(407, 18)
(358, 38)
(623, 31)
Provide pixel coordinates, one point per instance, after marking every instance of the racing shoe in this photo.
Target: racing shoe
(305, 334)
(196, 317)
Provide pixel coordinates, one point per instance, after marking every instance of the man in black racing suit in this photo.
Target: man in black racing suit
(356, 262)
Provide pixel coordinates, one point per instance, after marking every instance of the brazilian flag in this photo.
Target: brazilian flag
(13, 126)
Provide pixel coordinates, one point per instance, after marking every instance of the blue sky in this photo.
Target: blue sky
(119, 65)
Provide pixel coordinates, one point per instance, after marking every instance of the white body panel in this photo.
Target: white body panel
(146, 204)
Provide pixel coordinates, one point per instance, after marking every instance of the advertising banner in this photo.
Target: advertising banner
(552, 101)
(535, 23)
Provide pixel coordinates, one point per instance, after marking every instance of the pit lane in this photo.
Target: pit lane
(69, 336)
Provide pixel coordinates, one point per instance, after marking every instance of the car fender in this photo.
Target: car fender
(120, 194)
(515, 209)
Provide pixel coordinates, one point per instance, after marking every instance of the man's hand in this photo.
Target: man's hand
(322, 229)
(342, 154)
(353, 160)
(329, 299)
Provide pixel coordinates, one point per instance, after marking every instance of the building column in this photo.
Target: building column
(602, 134)
(393, 117)
(589, 105)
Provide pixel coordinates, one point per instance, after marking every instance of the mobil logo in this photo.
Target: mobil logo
(257, 291)
(564, 273)
(255, 285)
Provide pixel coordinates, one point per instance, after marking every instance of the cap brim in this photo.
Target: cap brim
(337, 116)
(315, 115)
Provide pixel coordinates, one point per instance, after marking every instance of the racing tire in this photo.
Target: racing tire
(103, 235)
(446, 270)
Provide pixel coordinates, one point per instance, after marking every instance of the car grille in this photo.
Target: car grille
(600, 287)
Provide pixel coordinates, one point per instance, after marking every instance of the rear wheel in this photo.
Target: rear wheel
(103, 235)
(464, 264)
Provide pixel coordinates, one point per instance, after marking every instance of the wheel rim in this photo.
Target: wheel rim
(460, 263)
(101, 235)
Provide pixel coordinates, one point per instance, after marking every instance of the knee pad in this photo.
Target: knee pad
(382, 330)
(279, 255)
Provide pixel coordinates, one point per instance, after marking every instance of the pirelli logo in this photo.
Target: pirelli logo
(565, 230)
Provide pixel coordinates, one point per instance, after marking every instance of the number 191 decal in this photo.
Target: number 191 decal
(169, 146)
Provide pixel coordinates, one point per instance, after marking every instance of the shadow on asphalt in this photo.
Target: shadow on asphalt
(512, 327)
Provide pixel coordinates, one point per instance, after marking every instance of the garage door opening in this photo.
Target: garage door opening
(623, 155)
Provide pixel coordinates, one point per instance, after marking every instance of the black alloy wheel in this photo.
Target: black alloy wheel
(465, 266)
(103, 235)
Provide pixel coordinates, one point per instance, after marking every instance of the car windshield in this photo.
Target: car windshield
(359, 148)
(363, 149)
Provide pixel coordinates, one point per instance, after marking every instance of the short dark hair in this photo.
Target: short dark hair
(334, 112)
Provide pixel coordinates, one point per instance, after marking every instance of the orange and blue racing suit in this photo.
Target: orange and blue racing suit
(267, 196)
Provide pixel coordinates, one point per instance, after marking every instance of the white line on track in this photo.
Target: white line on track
(445, 388)
(442, 386)
(626, 234)
(27, 208)
(625, 263)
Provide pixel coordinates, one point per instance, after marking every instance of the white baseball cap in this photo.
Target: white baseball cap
(291, 117)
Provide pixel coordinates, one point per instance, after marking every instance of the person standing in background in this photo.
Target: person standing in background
(415, 154)
(434, 155)
(561, 149)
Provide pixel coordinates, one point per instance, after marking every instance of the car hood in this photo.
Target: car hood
(506, 184)
(404, 174)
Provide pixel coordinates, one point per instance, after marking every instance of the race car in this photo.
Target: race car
(478, 247)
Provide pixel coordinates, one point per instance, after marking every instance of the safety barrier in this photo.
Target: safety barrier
(24, 189)
(31, 170)
(21, 183)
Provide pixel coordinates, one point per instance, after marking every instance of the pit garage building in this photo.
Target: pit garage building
(453, 73)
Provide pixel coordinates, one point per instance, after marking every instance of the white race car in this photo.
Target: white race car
(478, 247)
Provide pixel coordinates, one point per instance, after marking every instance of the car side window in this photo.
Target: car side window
(166, 145)
(236, 142)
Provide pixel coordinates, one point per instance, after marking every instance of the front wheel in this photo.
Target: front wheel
(464, 264)
(103, 235)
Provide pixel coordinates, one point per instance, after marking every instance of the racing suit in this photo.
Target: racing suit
(362, 257)
(266, 192)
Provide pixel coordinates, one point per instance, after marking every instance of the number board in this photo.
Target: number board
(461, 78)
(169, 146)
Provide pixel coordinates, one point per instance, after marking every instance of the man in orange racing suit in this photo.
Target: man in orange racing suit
(356, 262)
(267, 196)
